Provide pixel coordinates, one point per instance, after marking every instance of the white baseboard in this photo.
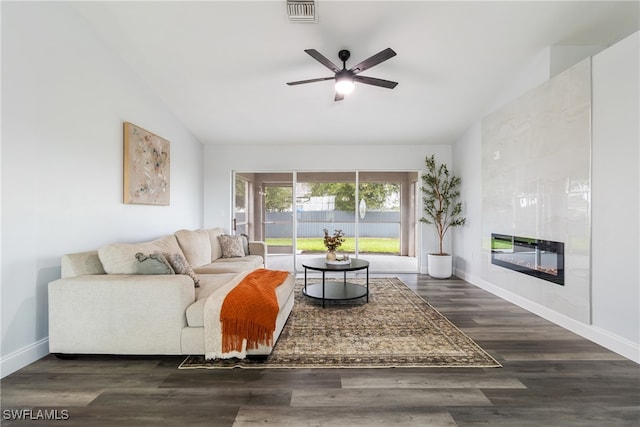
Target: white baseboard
(613, 342)
(21, 358)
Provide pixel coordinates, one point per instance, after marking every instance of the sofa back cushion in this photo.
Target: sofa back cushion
(216, 250)
(195, 245)
(81, 263)
(120, 258)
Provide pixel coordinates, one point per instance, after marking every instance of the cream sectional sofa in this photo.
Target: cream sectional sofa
(102, 306)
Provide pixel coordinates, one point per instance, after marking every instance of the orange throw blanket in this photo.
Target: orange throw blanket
(250, 309)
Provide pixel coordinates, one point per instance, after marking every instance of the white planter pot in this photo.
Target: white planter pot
(439, 266)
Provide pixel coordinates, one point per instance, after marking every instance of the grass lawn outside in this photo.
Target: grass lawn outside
(367, 245)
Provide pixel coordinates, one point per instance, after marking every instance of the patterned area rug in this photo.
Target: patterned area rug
(396, 328)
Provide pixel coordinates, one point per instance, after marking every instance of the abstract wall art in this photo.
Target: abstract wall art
(146, 167)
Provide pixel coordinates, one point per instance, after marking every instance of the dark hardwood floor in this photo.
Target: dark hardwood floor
(550, 377)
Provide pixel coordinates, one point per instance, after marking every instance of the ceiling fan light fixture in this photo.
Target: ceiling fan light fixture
(344, 84)
(345, 79)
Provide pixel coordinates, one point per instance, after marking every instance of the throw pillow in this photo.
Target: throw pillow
(181, 266)
(245, 244)
(231, 246)
(154, 263)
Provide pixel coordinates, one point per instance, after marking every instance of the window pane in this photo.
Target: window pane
(325, 201)
(241, 205)
(278, 201)
(379, 218)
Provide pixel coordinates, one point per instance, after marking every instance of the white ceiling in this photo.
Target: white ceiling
(222, 67)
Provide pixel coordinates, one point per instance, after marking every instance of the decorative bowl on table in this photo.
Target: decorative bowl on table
(339, 261)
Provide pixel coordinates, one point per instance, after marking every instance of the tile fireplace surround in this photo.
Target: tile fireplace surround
(536, 183)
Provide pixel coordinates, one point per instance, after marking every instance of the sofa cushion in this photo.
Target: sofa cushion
(216, 250)
(195, 245)
(212, 282)
(181, 266)
(232, 246)
(255, 260)
(209, 283)
(80, 264)
(231, 265)
(120, 258)
(154, 263)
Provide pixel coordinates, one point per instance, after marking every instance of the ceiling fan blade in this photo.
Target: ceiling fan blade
(299, 82)
(379, 57)
(375, 82)
(322, 59)
(339, 97)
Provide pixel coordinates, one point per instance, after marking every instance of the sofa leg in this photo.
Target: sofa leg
(65, 356)
(257, 357)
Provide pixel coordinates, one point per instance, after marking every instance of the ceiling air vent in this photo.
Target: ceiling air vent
(301, 11)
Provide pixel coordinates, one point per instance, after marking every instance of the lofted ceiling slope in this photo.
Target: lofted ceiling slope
(222, 67)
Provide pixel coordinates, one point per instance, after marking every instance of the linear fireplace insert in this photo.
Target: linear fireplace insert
(543, 259)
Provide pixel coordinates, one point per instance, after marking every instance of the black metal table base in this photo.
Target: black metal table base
(333, 291)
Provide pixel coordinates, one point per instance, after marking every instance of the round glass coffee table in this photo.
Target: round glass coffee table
(335, 290)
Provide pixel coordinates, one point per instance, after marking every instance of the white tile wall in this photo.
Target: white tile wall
(536, 183)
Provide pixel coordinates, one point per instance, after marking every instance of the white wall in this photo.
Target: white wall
(616, 199)
(467, 240)
(563, 57)
(65, 96)
(222, 160)
(609, 327)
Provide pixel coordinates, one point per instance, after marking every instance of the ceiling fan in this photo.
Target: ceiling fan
(344, 78)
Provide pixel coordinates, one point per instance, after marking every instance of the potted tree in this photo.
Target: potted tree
(442, 209)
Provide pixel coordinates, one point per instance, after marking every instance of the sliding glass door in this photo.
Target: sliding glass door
(324, 201)
(278, 219)
(379, 218)
(375, 210)
(242, 207)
